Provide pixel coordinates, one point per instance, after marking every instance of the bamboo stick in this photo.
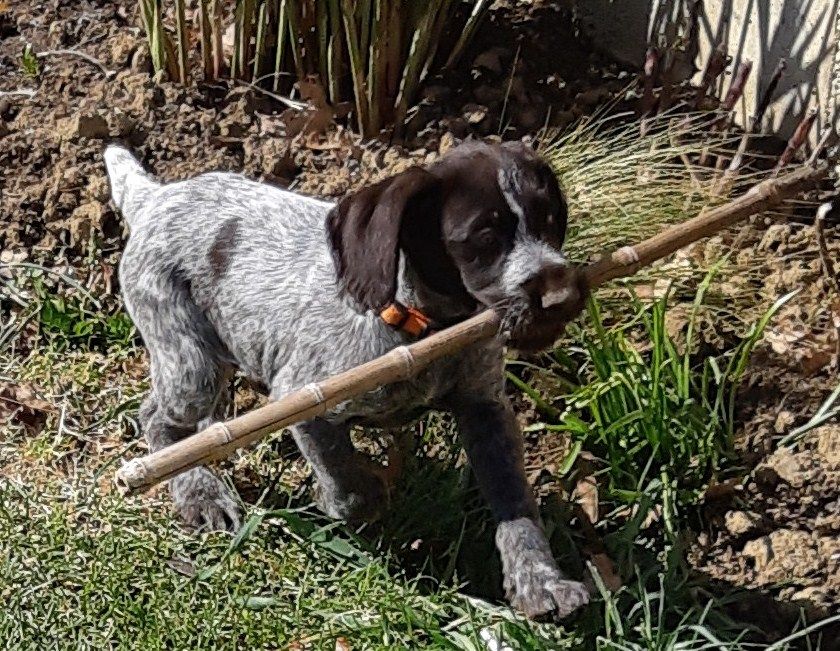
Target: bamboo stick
(221, 439)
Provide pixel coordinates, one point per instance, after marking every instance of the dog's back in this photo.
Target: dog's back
(249, 268)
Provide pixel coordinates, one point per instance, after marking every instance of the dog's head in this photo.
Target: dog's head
(482, 226)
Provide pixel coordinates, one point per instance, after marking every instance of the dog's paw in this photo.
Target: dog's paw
(533, 583)
(363, 497)
(204, 502)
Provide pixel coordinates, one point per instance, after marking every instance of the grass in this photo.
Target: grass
(624, 186)
(82, 568)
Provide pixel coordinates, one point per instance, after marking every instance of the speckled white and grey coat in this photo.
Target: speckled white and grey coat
(223, 273)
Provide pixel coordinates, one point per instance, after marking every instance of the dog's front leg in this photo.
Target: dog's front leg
(493, 442)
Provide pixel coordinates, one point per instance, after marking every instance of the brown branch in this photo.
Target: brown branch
(651, 69)
(81, 55)
(221, 439)
(736, 88)
(714, 68)
(797, 139)
(827, 139)
(767, 96)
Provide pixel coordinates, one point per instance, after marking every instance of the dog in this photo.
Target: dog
(223, 273)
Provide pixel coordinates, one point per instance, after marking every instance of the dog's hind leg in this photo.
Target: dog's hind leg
(350, 485)
(188, 380)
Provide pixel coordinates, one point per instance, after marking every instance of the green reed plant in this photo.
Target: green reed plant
(645, 403)
(373, 53)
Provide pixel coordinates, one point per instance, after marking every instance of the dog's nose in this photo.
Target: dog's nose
(551, 287)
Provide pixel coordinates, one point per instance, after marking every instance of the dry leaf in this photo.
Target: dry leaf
(20, 404)
(341, 644)
(182, 565)
(606, 569)
(586, 493)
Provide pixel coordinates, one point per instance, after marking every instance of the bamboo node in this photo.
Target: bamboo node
(627, 255)
(407, 358)
(131, 474)
(223, 428)
(315, 390)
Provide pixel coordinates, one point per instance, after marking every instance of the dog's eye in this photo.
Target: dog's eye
(485, 239)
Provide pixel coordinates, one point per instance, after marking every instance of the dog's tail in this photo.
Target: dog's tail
(130, 184)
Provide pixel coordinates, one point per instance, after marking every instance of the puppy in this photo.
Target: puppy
(223, 273)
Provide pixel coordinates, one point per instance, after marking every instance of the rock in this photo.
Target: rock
(742, 523)
(447, 142)
(474, 113)
(761, 551)
(83, 221)
(98, 188)
(88, 125)
(123, 45)
(813, 599)
(57, 34)
(120, 124)
(782, 465)
(828, 444)
(4, 129)
(783, 421)
(784, 555)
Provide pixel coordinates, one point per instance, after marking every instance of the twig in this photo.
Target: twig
(797, 139)
(81, 55)
(714, 68)
(736, 88)
(767, 96)
(672, 137)
(754, 124)
(828, 137)
(509, 87)
(48, 270)
(830, 274)
(23, 92)
(651, 70)
(299, 106)
(736, 91)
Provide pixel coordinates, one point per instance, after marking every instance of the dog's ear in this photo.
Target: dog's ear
(364, 231)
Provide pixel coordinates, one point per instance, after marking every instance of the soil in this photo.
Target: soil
(775, 528)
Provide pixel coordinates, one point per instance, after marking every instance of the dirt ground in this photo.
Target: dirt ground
(776, 527)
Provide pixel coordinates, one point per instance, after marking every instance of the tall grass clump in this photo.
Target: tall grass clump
(372, 53)
(658, 416)
(624, 185)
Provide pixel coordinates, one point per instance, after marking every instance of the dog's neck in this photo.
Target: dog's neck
(442, 309)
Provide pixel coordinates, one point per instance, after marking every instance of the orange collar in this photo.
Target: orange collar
(406, 318)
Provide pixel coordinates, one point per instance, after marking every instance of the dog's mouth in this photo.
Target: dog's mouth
(531, 329)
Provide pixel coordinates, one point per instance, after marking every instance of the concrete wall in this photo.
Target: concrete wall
(805, 32)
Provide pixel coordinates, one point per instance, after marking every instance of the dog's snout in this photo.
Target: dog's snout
(550, 287)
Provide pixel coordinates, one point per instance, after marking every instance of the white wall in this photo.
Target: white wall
(805, 32)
